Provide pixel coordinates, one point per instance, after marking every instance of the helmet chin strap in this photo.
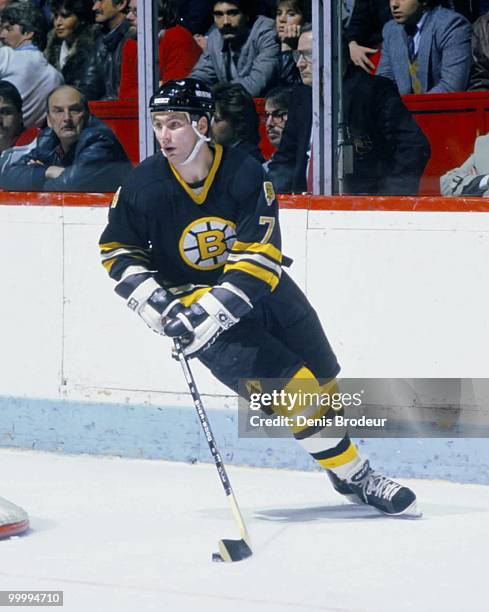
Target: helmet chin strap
(198, 145)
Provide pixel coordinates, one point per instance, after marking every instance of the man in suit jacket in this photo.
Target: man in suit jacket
(426, 48)
(390, 151)
(243, 48)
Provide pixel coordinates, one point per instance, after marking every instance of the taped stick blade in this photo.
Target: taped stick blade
(234, 550)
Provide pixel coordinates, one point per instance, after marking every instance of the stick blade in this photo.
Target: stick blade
(234, 550)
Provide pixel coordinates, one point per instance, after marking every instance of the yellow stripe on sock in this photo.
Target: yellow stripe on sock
(350, 454)
(302, 385)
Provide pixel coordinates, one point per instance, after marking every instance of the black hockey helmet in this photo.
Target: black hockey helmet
(186, 95)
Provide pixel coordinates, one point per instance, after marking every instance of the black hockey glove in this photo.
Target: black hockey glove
(154, 306)
(200, 325)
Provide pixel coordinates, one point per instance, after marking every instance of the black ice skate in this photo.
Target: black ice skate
(382, 493)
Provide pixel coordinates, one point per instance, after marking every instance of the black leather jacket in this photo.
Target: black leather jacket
(389, 149)
(74, 68)
(102, 75)
(96, 163)
(479, 76)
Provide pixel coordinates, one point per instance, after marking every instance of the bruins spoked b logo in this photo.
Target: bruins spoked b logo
(205, 243)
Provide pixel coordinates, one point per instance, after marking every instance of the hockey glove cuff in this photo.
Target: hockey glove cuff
(200, 325)
(154, 304)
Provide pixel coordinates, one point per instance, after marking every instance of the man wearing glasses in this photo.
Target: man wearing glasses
(242, 48)
(277, 103)
(276, 110)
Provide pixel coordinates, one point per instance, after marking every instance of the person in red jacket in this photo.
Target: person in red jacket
(177, 54)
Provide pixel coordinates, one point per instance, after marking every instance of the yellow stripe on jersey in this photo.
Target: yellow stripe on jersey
(253, 270)
(191, 298)
(345, 457)
(256, 247)
(201, 197)
(111, 251)
(108, 264)
(257, 259)
(108, 247)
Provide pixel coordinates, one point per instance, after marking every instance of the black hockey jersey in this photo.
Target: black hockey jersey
(228, 232)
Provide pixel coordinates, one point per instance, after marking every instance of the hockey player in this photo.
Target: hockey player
(193, 243)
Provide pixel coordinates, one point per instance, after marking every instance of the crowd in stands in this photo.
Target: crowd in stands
(86, 50)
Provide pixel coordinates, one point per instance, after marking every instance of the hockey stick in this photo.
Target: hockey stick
(229, 550)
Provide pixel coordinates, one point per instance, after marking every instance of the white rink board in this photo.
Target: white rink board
(408, 291)
(400, 294)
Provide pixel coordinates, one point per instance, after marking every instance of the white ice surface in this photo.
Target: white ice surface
(129, 535)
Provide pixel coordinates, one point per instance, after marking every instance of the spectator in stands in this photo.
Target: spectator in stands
(11, 123)
(23, 26)
(21, 61)
(364, 30)
(15, 140)
(177, 54)
(243, 48)
(71, 40)
(289, 16)
(426, 48)
(236, 122)
(472, 177)
(77, 152)
(102, 73)
(277, 102)
(479, 76)
(389, 150)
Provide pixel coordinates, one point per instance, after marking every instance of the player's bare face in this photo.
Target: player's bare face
(175, 135)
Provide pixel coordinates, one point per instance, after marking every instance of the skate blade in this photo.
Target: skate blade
(411, 512)
(354, 499)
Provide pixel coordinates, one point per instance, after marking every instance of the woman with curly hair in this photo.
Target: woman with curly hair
(71, 40)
